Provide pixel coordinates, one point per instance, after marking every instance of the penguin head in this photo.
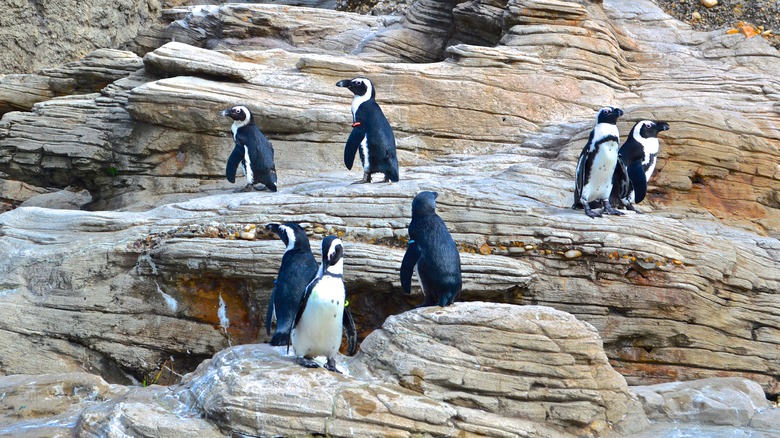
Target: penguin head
(609, 115)
(239, 113)
(650, 128)
(424, 204)
(292, 234)
(332, 251)
(359, 86)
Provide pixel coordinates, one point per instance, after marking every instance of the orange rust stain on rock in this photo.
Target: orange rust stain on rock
(200, 299)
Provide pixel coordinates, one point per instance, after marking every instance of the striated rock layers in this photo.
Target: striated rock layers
(687, 290)
(472, 368)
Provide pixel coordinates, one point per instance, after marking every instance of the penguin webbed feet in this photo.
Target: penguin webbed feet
(245, 189)
(366, 179)
(330, 365)
(609, 209)
(307, 362)
(590, 213)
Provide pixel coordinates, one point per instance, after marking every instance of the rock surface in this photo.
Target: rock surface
(548, 366)
(688, 290)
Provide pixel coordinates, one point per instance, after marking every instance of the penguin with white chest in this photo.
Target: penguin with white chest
(431, 253)
(253, 151)
(637, 160)
(371, 134)
(597, 163)
(317, 328)
(297, 270)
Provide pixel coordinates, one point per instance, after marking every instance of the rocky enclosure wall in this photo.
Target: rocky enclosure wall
(492, 120)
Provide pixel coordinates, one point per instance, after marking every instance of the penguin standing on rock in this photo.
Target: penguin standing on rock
(597, 163)
(432, 253)
(253, 151)
(637, 160)
(371, 134)
(317, 328)
(297, 270)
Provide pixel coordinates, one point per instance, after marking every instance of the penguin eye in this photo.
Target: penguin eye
(648, 125)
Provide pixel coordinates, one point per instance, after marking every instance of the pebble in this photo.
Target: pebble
(709, 3)
(529, 247)
(696, 16)
(572, 254)
(484, 249)
(247, 235)
(516, 250)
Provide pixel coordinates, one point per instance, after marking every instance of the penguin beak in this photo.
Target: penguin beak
(435, 195)
(344, 83)
(663, 126)
(225, 113)
(619, 111)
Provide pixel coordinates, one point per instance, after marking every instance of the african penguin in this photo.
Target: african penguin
(298, 269)
(432, 253)
(321, 314)
(252, 150)
(597, 163)
(371, 134)
(637, 160)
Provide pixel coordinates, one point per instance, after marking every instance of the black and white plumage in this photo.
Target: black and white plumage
(371, 134)
(597, 163)
(253, 151)
(432, 253)
(297, 270)
(317, 328)
(636, 163)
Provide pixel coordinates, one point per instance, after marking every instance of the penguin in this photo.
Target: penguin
(317, 328)
(432, 253)
(371, 134)
(597, 164)
(298, 269)
(637, 160)
(252, 150)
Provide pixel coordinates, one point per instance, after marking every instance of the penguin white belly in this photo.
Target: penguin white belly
(250, 176)
(599, 185)
(318, 332)
(364, 149)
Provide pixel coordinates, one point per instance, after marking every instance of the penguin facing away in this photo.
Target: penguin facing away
(317, 328)
(297, 270)
(431, 253)
(597, 164)
(371, 134)
(252, 150)
(637, 157)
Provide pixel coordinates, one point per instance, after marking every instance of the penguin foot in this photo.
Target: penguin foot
(331, 365)
(308, 362)
(247, 188)
(260, 187)
(611, 210)
(591, 213)
(366, 179)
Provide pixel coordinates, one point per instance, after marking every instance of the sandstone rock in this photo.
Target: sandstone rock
(716, 401)
(61, 200)
(65, 31)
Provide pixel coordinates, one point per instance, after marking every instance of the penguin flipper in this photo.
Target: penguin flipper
(410, 260)
(638, 179)
(270, 313)
(236, 157)
(621, 185)
(350, 331)
(304, 300)
(580, 180)
(353, 144)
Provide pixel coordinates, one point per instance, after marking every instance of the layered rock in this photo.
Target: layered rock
(42, 34)
(457, 368)
(688, 290)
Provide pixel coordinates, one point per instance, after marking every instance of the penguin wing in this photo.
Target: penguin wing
(270, 312)
(353, 144)
(638, 179)
(304, 300)
(580, 180)
(621, 184)
(410, 260)
(350, 330)
(236, 157)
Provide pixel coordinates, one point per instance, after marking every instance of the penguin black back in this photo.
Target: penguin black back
(371, 136)
(432, 253)
(297, 270)
(252, 150)
(638, 155)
